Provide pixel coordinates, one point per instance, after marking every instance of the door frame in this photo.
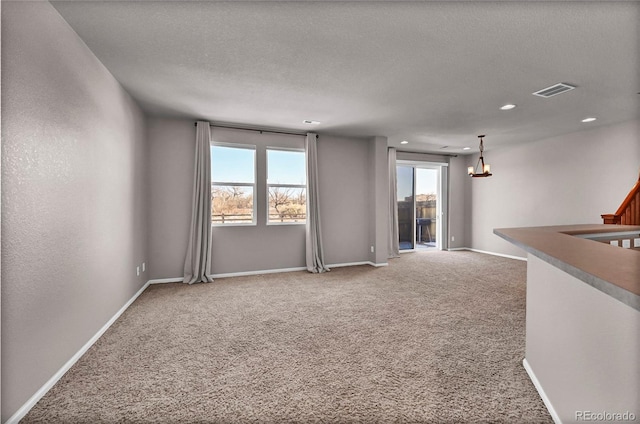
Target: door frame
(442, 195)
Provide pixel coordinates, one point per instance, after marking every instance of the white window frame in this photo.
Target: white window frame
(306, 190)
(254, 220)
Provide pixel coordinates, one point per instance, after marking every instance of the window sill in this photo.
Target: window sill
(234, 225)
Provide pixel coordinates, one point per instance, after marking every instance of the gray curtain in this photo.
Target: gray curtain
(393, 242)
(197, 264)
(315, 254)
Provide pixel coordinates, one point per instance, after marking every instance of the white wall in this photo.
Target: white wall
(73, 197)
(570, 179)
(582, 344)
(343, 166)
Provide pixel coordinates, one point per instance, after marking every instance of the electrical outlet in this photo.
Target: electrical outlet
(138, 271)
(372, 249)
(143, 266)
(453, 238)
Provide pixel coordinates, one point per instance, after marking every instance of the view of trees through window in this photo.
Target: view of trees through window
(286, 185)
(233, 185)
(231, 205)
(287, 204)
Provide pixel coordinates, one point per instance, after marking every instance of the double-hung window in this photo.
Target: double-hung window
(233, 184)
(286, 186)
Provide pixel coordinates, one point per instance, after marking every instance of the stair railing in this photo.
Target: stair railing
(629, 211)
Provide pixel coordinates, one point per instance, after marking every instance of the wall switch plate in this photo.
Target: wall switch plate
(453, 238)
(372, 249)
(138, 271)
(143, 266)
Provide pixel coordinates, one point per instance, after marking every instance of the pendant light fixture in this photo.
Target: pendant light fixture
(481, 170)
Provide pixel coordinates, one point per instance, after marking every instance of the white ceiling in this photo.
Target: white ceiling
(432, 73)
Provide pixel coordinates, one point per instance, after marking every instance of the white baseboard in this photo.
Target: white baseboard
(543, 395)
(274, 271)
(267, 271)
(357, 264)
(166, 280)
(519, 258)
(264, 271)
(349, 264)
(24, 409)
(486, 252)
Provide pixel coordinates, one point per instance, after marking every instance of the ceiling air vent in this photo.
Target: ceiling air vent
(553, 90)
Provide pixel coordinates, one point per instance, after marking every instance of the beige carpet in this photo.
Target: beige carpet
(436, 337)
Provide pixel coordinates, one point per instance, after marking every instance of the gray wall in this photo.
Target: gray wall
(73, 197)
(457, 201)
(454, 209)
(345, 204)
(379, 200)
(344, 184)
(254, 248)
(171, 161)
(457, 178)
(570, 179)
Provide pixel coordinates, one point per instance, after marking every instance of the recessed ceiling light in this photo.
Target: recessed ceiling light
(310, 122)
(507, 107)
(404, 142)
(588, 119)
(466, 148)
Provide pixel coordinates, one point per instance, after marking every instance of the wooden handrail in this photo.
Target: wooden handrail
(629, 211)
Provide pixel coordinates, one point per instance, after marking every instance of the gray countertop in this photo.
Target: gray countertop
(610, 269)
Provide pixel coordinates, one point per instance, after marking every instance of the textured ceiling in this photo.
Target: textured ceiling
(432, 73)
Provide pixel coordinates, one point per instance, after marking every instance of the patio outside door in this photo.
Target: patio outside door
(426, 189)
(406, 207)
(420, 206)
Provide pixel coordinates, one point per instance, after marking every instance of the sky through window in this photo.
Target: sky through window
(231, 164)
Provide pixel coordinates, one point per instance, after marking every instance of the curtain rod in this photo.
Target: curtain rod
(257, 130)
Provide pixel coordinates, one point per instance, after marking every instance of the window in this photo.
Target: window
(233, 183)
(286, 186)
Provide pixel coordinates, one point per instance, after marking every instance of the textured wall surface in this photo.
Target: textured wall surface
(235, 248)
(379, 189)
(344, 186)
(343, 173)
(253, 248)
(73, 197)
(570, 179)
(457, 201)
(171, 161)
(454, 201)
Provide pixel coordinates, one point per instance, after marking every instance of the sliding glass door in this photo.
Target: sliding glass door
(406, 210)
(421, 205)
(426, 207)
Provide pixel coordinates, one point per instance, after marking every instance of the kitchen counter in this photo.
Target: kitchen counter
(582, 318)
(610, 269)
